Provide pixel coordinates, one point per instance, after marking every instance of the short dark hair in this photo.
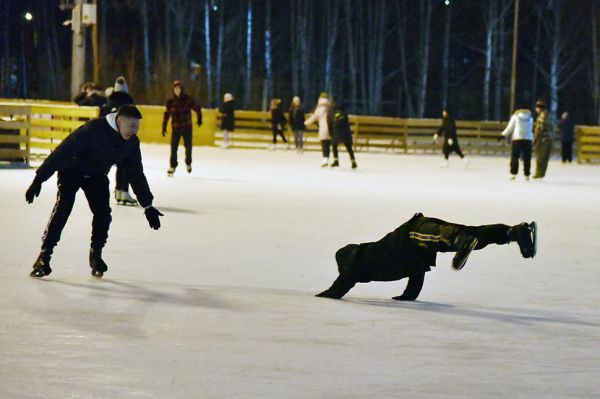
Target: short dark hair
(129, 110)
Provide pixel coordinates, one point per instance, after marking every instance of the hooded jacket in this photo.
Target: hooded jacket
(520, 126)
(320, 116)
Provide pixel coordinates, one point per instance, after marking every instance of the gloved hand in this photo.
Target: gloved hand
(450, 141)
(164, 132)
(199, 123)
(33, 190)
(152, 215)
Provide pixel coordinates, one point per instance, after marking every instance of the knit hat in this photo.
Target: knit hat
(324, 95)
(130, 111)
(177, 83)
(121, 84)
(227, 97)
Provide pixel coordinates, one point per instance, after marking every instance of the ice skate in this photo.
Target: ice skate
(464, 244)
(354, 164)
(334, 164)
(41, 267)
(513, 177)
(325, 162)
(97, 264)
(170, 171)
(525, 234)
(127, 199)
(188, 168)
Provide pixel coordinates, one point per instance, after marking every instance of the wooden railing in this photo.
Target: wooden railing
(16, 128)
(588, 143)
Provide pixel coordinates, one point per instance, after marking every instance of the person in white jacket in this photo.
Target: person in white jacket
(320, 116)
(520, 132)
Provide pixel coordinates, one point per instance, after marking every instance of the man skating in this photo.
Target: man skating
(543, 134)
(411, 249)
(83, 160)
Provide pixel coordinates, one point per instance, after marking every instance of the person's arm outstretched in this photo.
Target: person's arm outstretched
(413, 288)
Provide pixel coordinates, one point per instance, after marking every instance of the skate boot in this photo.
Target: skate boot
(464, 244)
(96, 263)
(118, 196)
(525, 234)
(41, 267)
(188, 168)
(325, 162)
(354, 164)
(127, 199)
(170, 171)
(334, 164)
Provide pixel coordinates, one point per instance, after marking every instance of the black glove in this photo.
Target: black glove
(152, 215)
(33, 190)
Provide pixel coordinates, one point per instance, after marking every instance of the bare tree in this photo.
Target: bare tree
(219, 58)
(331, 16)
(268, 86)
(405, 85)
(595, 75)
(145, 42)
(351, 54)
(425, 29)
(446, 56)
(208, 52)
(248, 69)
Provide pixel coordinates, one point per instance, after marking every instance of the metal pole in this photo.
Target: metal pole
(95, 50)
(78, 54)
(513, 80)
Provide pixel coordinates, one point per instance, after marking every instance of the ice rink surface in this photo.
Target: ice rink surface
(219, 302)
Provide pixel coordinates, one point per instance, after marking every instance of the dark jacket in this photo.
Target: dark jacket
(392, 258)
(296, 118)
(448, 130)
(567, 130)
(340, 127)
(92, 149)
(93, 100)
(115, 100)
(180, 108)
(278, 120)
(228, 119)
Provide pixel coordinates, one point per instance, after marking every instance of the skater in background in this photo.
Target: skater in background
(448, 133)
(86, 90)
(320, 115)
(118, 97)
(520, 132)
(278, 122)
(340, 133)
(179, 109)
(94, 97)
(227, 119)
(82, 161)
(411, 250)
(296, 118)
(566, 127)
(542, 139)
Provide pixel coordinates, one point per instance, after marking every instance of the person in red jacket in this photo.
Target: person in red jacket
(179, 109)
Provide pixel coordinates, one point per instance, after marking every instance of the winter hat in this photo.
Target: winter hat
(121, 84)
(178, 83)
(296, 100)
(228, 97)
(129, 110)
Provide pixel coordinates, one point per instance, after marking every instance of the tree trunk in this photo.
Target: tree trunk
(401, 12)
(207, 52)
(248, 71)
(332, 23)
(500, 56)
(219, 60)
(145, 43)
(425, 18)
(268, 87)
(351, 55)
(595, 62)
(555, 58)
(536, 53)
(489, 51)
(446, 57)
(167, 19)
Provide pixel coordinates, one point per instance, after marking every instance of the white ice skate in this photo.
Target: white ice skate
(126, 199)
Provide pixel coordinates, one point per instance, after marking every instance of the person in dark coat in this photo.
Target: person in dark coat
(179, 108)
(567, 135)
(341, 133)
(120, 96)
(296, 118)
(82, 161)
(278, 121)
(227, 119)
(411, 250)
(94, 98)
(86, 90)
(448, 133)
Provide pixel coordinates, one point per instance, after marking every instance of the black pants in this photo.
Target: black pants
(348, 146)
(325, 148)
(176, 136)
(447, 149)
(122, 180)
(97, 193)
(520, 148)
(567, 151)
(278, 132)
(430, 235)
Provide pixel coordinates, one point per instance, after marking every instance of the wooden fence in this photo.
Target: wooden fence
(42, 126)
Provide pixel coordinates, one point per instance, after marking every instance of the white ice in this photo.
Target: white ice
(219, 302)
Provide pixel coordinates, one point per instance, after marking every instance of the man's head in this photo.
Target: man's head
(128, 121)
(296, 101)
(540, 105)
(121, 85)
(177, 88)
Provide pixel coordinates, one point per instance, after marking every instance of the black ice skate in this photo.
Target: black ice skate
(334, 164)
(123, 198)
(464, 244)
(97, 264)
(329, 294)
(354, 165)
(41, 267)
(525, 234)
(188, 168)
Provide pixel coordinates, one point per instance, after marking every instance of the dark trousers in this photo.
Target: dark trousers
(122, 180)
(325, 148)
(97, 193)
(186, 133)
(431, 235)
(520, 148)
(567, 151)
(543, 152)
(278, 132)
(348, 146)
(447, 149)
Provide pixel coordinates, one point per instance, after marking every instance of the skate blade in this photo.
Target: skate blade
(534, 238)
(459, 265)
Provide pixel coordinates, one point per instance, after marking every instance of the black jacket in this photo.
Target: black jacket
(448, 130)
(228, 121)
(92, 149)
(93, 100)
(567, 127)
(296, 118)
(392, 258)
(278, 120)
(340, 132)
(115, 100)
